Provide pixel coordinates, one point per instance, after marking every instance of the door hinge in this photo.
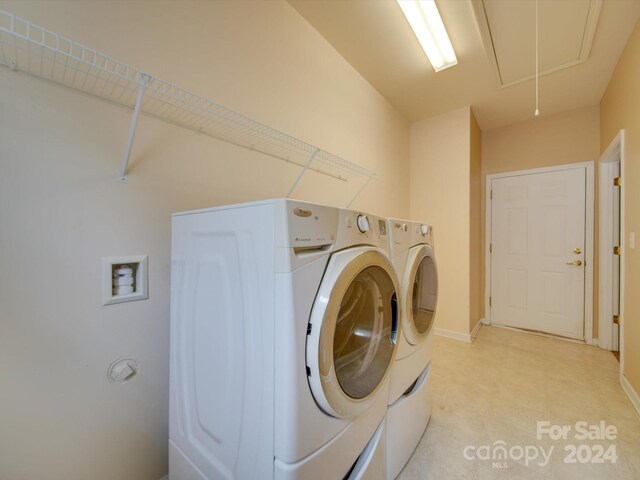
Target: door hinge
(616, 250)
(489, 301)
(617, 182)
(491, 195)
(491, 248)
(616, 319)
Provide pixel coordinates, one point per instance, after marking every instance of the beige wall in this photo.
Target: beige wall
(440, 195)
(619, 109)
(569, 137)
(62, 209)
(475, 230)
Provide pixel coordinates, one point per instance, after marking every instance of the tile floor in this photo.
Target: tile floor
(497, 389)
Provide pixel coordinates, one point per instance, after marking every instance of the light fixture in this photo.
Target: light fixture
(427, 24)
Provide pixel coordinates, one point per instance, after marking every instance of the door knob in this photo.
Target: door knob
(577, 251)
(575, 263)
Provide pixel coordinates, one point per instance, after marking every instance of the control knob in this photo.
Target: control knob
(363, 223)
(424, 229)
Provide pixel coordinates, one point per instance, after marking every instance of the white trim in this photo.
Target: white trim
(623, 243)
(605, 236)
(461, 337)
(631, 393)
(540, 334)
(589, 232)
(611, 158)
(166, 477)
(476, 329)
(615, 146)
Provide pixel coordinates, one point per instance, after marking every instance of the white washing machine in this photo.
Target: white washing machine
(283, 330)
(411, 248)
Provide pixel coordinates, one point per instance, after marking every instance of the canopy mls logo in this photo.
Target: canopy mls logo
(499, 453)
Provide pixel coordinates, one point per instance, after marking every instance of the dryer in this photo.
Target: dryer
(284, 322)
(411, 249)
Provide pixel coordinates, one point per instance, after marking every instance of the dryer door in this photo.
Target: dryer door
(420, 287)
(351, 340)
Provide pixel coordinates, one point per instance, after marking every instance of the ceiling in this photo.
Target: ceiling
(580, 42)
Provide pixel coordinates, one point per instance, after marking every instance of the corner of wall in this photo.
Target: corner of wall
(440, 195)
(618, 110)
(476, 243)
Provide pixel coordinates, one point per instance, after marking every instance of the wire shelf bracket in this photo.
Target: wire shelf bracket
(304, 170)
(31, 49)
(360, 190)
(144, 81)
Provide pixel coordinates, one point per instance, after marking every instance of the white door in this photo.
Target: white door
(537, 252)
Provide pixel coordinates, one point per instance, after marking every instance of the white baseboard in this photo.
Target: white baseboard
(485, 321)
(462, 337)
(476, 329)
(631, 393)
(166, 477)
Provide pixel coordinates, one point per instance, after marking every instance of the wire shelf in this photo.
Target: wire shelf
(34, 50)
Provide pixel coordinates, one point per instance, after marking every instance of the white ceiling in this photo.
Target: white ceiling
(580, 44)
(509, 36)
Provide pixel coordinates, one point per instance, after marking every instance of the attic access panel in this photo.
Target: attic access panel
(507, 28)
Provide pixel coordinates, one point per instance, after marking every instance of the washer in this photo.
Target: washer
(284, 322)
(411, 248)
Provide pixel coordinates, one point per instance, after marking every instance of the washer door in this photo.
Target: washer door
(351, 339)
(420, 285)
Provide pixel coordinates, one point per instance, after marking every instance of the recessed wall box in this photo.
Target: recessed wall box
(124, 279)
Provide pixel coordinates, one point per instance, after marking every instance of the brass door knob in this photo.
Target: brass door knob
(575, 263)
(577, 251)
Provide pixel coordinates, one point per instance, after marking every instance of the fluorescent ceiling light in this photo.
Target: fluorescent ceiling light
(426, 23)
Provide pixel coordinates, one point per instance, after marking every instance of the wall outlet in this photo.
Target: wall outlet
(125, 279)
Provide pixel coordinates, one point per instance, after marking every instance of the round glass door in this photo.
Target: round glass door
(351, 337)
(422, 294)
(363, 341)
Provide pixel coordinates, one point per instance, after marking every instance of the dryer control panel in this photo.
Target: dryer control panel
(360, 228)
(421, 233)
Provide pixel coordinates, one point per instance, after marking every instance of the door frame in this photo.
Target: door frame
(608, 159)
(588, 168)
